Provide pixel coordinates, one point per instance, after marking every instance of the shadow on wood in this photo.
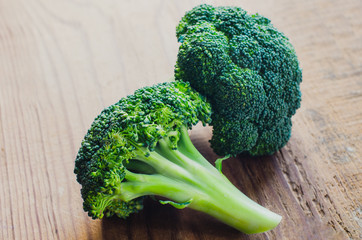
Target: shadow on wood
(158, 221)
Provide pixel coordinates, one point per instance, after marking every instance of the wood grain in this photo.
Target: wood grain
(62, 62)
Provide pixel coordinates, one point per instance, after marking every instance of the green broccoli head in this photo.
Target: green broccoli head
(140, 147)
(249, 72)
(131, 129)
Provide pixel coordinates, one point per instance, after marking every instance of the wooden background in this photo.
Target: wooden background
(63, 61)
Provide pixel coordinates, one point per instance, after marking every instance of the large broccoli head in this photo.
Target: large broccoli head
(140, 147)
(249, 72)
(126, 136)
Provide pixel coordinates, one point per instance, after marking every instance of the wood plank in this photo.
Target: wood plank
(62, 62)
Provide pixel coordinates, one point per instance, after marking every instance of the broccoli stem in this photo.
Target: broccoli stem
(187, 148)
(183, 175)
(138, 185)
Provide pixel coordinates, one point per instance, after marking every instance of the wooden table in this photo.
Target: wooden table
(62, 62)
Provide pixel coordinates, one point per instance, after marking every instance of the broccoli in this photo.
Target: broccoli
(249, 72)
(140, 147)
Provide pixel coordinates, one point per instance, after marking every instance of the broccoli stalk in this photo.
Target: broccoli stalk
(140, 147)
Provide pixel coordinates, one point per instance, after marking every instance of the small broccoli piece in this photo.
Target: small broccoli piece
(140, 147)
(249, 72)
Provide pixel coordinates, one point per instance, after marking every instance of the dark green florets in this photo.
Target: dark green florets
(249, 72)
(128, 130)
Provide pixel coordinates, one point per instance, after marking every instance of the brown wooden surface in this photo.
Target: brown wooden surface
(62, 62)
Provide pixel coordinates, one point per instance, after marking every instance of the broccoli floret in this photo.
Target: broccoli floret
(249, 72)
(140, 147)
